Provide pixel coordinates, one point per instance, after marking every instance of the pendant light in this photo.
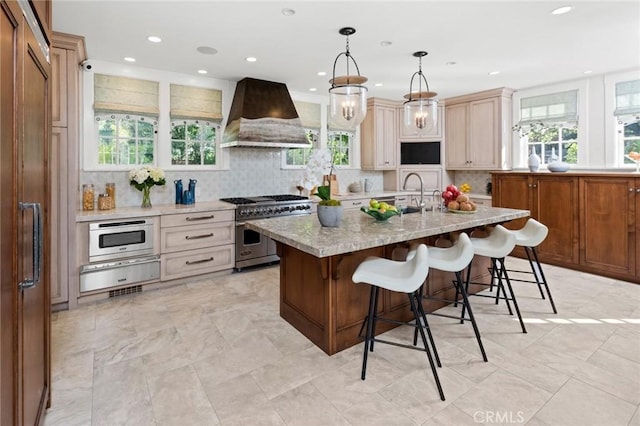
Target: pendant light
(421, 107)
(347, 96)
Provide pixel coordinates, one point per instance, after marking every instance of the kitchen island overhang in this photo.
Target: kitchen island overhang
(317, 295)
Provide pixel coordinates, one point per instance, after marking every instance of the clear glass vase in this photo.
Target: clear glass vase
(146, 197)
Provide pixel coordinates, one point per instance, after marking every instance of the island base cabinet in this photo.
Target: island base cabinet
(318, 297)
(608, 224)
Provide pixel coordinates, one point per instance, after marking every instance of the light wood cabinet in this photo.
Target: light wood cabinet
(196, 243)
(67, 52)
(378, 136)
(592, 218)
(478, 131)
(434, 135)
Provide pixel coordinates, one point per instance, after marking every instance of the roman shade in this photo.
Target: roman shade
(549, 109)
(189, 102)
(309, 114)
(627, 98)
(125, 95)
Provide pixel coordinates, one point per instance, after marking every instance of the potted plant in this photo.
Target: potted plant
(329, 210)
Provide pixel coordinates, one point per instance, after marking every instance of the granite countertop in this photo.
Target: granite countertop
(156, 210)
(359, 231)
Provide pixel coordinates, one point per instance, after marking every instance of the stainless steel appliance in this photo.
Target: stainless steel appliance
(98, 276)
(253, 248)
(120, 253)
(118, 239)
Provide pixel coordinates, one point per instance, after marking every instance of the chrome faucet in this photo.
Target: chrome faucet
(422, 204)
(437, 199)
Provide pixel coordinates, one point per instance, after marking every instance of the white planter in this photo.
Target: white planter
(330, 216)
(533, 161)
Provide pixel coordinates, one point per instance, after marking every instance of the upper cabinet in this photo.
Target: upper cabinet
(434, 135)
(378, 136)
(478, 129)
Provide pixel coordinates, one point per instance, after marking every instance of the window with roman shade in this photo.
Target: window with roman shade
(196, 113)
(126, 112)
(548, 126)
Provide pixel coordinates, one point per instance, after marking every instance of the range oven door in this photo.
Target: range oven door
(250, 244)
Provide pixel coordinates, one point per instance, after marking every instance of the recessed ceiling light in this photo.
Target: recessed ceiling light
(385, 43)
(494, 73)
(129, 59)
(202, 71)
(250, 59)
(312, 89)
(561, 10)
(321, 73)
(206, 50)
(378, 84)
(288, 12)
(587, 72)
(154, 39)
(450, 63)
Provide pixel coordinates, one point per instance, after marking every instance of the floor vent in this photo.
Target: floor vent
(125, 291)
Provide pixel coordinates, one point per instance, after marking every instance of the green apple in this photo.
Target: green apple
(374, 204)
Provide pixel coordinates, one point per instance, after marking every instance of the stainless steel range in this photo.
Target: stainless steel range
(253, 248)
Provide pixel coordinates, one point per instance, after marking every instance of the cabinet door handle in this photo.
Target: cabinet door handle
(356, 203)
(195, 237)
(535, 185)
(638, 190)
(529, 185)
(190, 219)
(36, 257)
(195, 262)
(631, 190)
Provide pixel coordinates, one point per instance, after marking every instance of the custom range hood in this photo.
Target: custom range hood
(263, 115)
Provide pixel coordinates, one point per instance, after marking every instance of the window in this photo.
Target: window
(627, 114)
(340, 144)
(549, 126)
(125, 139)
(300, 156)
(193, 142)
(125, 121)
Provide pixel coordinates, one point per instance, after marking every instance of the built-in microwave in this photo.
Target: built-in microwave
(111, 240)
(414, 153)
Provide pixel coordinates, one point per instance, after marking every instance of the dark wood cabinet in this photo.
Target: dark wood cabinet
(25, 123)
(592, 218)
(608, 224)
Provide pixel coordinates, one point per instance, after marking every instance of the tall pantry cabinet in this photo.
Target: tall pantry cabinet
(25, 128)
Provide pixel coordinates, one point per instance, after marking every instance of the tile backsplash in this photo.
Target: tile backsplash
(477, 179)
(252, 172)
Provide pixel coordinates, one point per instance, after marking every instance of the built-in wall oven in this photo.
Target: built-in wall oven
(120, 253)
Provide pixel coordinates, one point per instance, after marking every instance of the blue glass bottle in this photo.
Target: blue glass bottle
(178, 191)
(192, 190)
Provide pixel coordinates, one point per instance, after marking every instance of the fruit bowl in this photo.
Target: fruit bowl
(377, 215)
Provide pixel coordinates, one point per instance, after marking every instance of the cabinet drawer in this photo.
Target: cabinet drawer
(196, 236)
(481, 201)
(355, 204)
(198, 218)
(195, 262)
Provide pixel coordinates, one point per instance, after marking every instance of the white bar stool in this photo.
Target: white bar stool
(455, 259)
(530, 236)
(497, 246)
(404, 277)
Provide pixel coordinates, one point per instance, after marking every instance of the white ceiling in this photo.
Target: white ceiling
(521, 39)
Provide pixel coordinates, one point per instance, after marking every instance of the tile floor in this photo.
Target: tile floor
(216, 352)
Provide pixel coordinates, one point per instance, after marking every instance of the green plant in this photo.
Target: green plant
(324, 192)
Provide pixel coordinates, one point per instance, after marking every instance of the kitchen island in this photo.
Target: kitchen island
(317, 295)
